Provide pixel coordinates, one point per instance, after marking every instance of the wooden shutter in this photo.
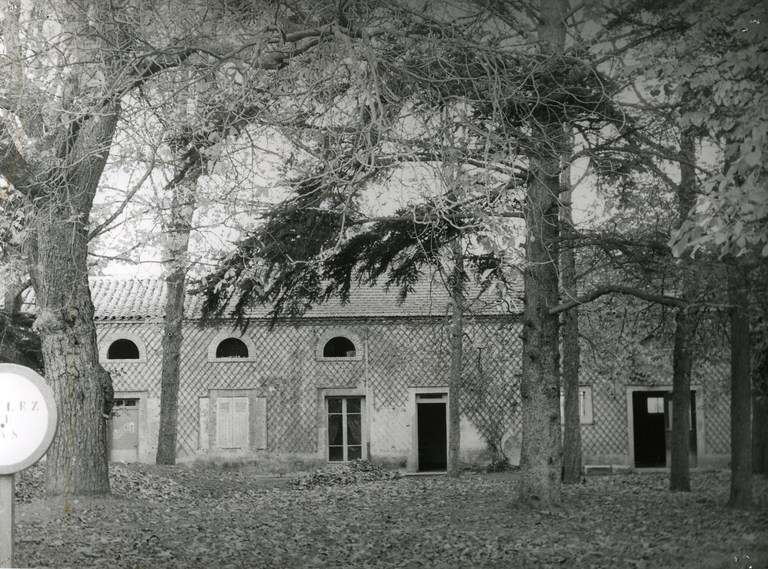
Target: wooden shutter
(259, 422)
(232, 422)
(224, 422)
(240, 422)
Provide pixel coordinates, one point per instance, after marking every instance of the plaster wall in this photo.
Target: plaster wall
(287, 376)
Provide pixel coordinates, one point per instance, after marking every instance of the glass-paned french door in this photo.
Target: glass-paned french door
(345, 428)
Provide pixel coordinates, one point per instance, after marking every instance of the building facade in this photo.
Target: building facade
(368, 379)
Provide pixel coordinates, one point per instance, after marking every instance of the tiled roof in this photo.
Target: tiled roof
(141, 299)
(127, 299)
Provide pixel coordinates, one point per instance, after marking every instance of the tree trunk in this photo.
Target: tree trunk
(570, 336)
(682, 357)
(760, 414)
(176, 263)
(760, 371)
(572, 408)
(169, 378)
(682, 360)
(541, 458)
(77, 461)
(760, 418)
(741, 393)
(541, 452)
(457, 341)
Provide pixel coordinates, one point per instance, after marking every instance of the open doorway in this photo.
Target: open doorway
(649, 432)
(432, 426)
(652, 428)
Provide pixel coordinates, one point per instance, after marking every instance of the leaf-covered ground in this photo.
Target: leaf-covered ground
(179, 517)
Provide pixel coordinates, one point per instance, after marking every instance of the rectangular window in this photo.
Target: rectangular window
(655, 405)
(585, 405)
(345, 428)
(232, 422)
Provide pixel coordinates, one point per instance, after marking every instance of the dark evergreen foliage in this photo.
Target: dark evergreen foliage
(302, 255)
(19, 343)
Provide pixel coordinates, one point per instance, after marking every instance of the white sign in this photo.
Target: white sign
(28, 418)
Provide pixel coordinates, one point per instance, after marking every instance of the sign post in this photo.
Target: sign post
(28, 419)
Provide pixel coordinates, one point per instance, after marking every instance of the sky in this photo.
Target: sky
(219, 224)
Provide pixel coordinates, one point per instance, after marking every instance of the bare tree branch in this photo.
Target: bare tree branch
(98, 230)
(620, 289)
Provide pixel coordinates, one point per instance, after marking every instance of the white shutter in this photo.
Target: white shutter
(224, 422)
(240, 423)
(259, 422)
(232, 422)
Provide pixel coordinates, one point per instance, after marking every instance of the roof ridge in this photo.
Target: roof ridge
(143, 298)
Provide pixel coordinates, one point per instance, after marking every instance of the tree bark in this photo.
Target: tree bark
(541, 453)
(682, 361)
(570, 336)
(66, 122)
(759, 330)
(572, 408)
(682, 354)
(176, 263)
(169, 378)
(760, 414)
(741, 393)
(77, 461)
(457, 360)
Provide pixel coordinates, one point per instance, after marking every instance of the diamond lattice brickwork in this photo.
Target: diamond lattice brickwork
(607, 434)
(142, 374)
(286, 370)
(396, 354)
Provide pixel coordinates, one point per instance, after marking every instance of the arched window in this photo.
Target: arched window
(123, 350)
(231, 348)
(339, 347)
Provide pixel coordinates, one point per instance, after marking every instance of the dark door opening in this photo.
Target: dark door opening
(649, 432)
(652, 429)
(433, 436)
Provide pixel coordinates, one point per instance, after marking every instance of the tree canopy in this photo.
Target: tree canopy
(475, 111)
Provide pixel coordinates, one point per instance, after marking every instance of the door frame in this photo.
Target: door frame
(412, 412)
(700, 434)
(325, 393)
(141, 422)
